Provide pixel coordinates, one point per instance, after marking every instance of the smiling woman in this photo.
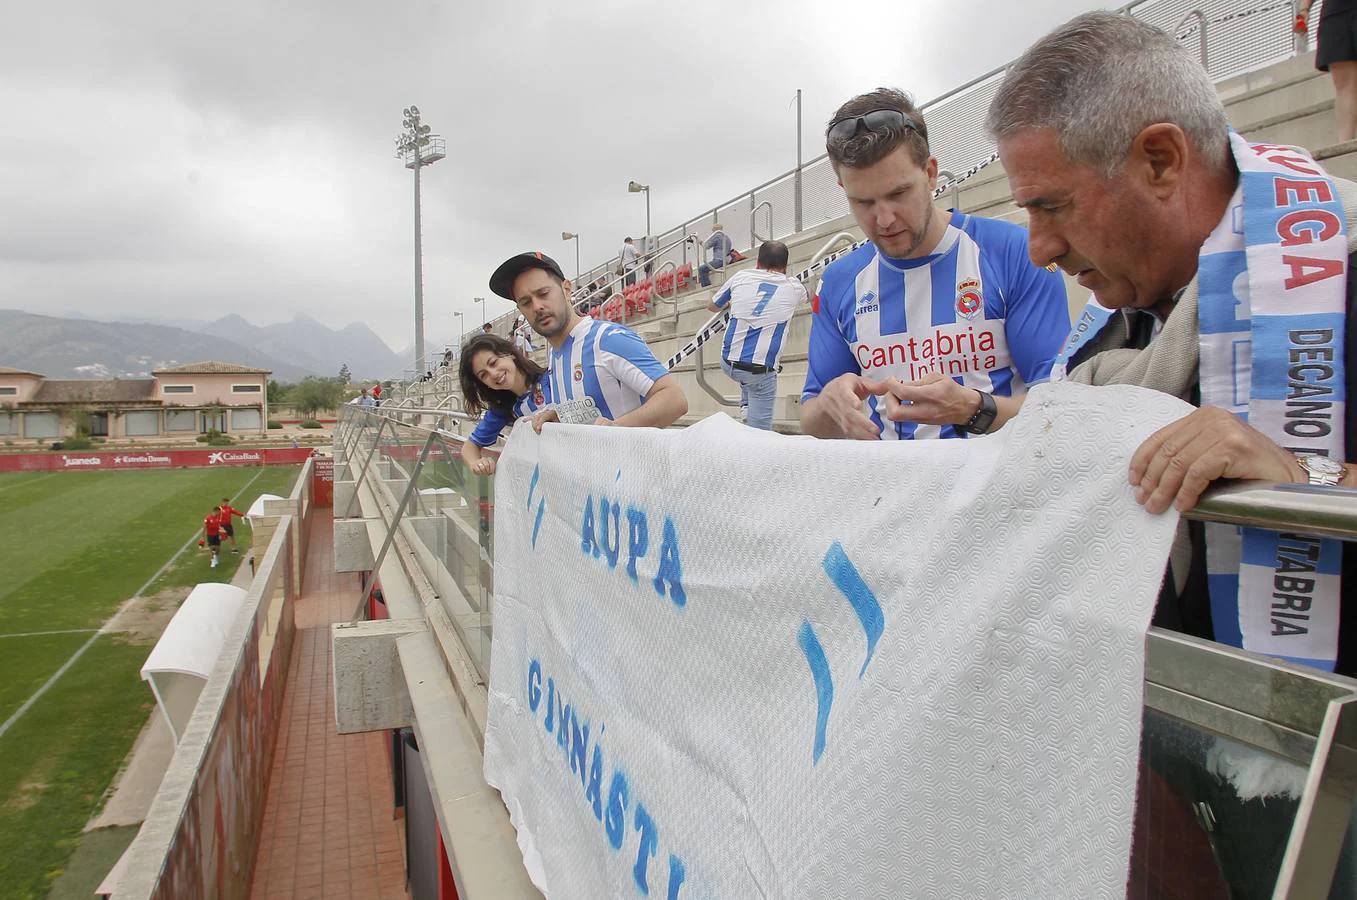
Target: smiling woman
(502, 383)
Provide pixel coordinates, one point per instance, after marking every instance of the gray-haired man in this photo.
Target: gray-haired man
(1220, 271)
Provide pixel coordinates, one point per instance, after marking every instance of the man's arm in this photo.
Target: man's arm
(938, 400)
(831, 401)
(836, 411)
(665, 404)
(721, 299)
(1179, 461)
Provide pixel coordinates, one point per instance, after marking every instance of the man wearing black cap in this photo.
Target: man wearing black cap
(589, 357)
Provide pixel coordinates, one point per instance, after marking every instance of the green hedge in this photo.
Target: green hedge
(310, 423)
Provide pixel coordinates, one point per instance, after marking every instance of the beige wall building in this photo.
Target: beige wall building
(178, 401)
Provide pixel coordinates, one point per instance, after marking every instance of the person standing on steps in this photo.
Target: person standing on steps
(762, 302)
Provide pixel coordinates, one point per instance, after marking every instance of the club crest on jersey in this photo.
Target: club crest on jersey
(969, 303)
(537, 396)
(867, 303)
(579, 371)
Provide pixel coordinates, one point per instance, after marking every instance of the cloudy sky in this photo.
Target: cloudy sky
(176, 160)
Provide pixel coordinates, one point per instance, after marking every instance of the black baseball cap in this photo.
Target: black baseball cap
(502, 282)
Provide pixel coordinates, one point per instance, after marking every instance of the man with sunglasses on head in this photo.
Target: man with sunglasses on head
(937, 296)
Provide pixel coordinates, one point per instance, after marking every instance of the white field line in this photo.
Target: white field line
(41, 633)
(56, 676)
(10, 487)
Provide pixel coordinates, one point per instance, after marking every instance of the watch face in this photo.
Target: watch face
(1321, 465)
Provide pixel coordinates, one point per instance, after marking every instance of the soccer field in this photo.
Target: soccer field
(74, 547)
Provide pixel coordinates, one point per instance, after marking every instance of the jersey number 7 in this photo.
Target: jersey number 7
(766, 291)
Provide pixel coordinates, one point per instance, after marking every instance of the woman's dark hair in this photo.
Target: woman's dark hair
(477, 396)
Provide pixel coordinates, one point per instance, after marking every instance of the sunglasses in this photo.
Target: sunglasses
(850, 127)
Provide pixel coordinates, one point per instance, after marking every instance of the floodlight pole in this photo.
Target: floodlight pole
(569, 236)
(419, 149)
(796, 215)
(635, 187)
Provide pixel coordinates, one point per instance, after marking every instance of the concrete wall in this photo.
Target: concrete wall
(200, 835)
(209, 389)
(25, 386)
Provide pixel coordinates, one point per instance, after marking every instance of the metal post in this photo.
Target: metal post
(395, 519)
(363, 470)
(648, 246)
(796, 215)
(577, 259)
(419, 278)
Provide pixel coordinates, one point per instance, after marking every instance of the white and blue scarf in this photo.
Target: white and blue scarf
(1272, 279)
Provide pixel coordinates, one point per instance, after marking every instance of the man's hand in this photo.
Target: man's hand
(1177, 462)
(543, 417)
(932, 400)
(602, 421)
(484, 466)
(841, 403)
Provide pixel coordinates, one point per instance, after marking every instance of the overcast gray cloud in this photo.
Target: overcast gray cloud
(173, 160)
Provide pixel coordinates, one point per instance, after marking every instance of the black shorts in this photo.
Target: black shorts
(214, 540)
(1337, 40)
(230, 530)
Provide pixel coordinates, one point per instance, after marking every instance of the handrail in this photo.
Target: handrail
(753, 214)
(843, 238)
(581, 295)
(667, 265)
(925, 108)
(955, 186)
(699, 368)
(1316, 510)
(1201, 23)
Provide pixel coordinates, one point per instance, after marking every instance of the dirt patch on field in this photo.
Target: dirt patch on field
(30, 790)
(144, 619)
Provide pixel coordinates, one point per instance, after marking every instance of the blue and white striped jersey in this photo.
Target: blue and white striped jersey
(976, 309)
(494, 421)
(605, 361)
(761, 304)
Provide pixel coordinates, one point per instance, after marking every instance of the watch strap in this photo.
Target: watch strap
(984, 416)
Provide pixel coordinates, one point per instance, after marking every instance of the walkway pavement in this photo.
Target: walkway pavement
(328, 825)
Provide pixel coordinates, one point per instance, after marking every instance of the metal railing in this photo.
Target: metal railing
(1201, 698)
(1243, 36)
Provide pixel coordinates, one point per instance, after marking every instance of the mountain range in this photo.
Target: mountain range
(80, 347)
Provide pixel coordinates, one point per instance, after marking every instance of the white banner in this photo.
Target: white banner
(729, 663)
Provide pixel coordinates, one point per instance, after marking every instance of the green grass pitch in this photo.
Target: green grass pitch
(73, 548)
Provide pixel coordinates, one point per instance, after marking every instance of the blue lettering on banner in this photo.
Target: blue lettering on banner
(541, 504)
(572, 735)
(849, 582)
(601, 539)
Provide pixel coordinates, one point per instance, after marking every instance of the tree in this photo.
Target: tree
(277, 392)
(312, 395)
(344, 375)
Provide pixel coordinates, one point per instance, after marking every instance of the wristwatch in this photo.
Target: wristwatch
(1322, 470)
(984, 416)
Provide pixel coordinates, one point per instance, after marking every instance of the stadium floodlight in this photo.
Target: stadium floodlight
(635, 187)
(413, 146)
(568, 236)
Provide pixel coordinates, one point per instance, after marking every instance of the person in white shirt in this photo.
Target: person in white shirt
(762, 302)
(627, 262)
